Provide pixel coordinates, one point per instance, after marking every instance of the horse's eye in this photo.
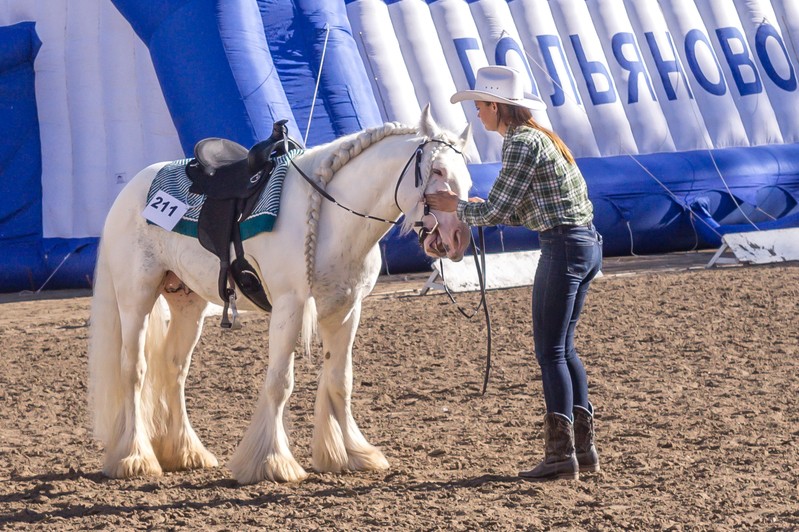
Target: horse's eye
(436, 171)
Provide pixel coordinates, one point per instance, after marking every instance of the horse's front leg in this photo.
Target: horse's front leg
(179, 447)
(264, 451)
(338, 443)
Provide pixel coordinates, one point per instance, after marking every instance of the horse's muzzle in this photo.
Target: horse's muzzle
(434, 245)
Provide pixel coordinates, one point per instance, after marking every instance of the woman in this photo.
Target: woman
(540, 187)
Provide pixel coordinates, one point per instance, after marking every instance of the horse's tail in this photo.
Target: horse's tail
(309, 318)
(106, 388)
(105, 350)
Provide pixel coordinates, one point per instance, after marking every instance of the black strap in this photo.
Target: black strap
(481, 275)
(331, 199)
(480, 266)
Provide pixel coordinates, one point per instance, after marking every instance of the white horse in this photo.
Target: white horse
(318, 264)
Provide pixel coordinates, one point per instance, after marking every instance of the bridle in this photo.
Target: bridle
(423, 232)
(416, 157)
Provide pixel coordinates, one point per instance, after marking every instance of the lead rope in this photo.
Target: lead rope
(480, 266)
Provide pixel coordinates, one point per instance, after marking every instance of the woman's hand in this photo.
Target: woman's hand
(443, 200)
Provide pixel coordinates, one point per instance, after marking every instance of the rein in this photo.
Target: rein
(417, 155)
(480, 266)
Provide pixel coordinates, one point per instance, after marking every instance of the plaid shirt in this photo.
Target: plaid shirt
(536, 187)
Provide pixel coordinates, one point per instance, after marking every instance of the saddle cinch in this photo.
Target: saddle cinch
(232, 179)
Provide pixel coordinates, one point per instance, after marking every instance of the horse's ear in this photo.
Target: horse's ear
(465, 136)
(428, 126)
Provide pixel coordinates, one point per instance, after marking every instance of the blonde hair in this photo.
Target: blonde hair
(514, 116)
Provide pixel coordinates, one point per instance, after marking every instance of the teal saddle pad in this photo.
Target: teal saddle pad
(173, 180)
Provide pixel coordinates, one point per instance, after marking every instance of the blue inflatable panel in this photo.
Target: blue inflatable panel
(69, 262)
(643, 205)
(230, 89)
(285, 35)
(296, 32)
(344, 86)
(253, 68)
(20, 160)
(768, 199)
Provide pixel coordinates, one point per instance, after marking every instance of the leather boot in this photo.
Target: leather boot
(560, 460)
(587, 456)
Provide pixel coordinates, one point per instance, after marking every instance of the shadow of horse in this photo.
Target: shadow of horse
(67, 510)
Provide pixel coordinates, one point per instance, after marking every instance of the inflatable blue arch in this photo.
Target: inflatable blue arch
(682, 114)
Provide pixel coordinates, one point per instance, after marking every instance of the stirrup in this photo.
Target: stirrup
(226, 323)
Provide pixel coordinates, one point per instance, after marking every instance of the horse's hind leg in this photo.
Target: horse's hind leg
(178, 446)
(264, 452)
(129, 451)
(338, 443)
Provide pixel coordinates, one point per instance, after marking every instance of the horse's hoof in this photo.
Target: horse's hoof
(369, 459)
(194, 459)
(201, 459)
(134, 466)
(272, 468)
(283, 470)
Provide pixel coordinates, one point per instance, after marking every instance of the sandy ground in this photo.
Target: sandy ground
(694, 374)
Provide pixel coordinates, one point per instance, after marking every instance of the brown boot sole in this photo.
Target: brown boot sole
(593, 468)
(526, 475)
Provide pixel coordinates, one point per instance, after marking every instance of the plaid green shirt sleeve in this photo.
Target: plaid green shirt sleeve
(536, 187)
(509, 188)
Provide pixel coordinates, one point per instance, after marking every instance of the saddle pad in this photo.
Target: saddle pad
(173, 180)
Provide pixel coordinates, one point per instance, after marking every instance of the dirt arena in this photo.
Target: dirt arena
(694, 375)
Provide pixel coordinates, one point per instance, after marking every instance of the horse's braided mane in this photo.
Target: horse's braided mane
(340, 154)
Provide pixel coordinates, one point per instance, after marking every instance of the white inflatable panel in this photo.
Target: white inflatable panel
(159, 137)
(556, 80)
(382, 58)
(85, 74)
(102, 116)
(719, 111)
(124, 142)
(675, 96)
(633, 79)
(427, 66)
(777, 68)
(787, 12)
(584, 50)
(743, 79)
(52, 104)
(503, 46)
(460, 42)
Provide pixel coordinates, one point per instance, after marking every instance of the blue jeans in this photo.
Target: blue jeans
(571, 256)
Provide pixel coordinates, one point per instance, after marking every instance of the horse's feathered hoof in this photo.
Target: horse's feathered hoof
(283, 470)
(134, 466)
(367, 459)
(274, 468)
(195, 459)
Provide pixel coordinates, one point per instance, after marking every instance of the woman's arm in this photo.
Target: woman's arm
(519, 157)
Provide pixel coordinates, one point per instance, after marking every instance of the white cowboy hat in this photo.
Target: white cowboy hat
(500, 84)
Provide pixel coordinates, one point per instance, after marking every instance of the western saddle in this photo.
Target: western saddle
(232, 179)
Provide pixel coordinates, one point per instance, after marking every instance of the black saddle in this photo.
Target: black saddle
(232, 179)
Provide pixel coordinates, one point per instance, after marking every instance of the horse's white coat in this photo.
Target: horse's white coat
(138, 365)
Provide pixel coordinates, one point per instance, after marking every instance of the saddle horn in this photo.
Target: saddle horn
(261, 154)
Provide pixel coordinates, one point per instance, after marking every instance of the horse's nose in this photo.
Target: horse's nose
(456, 238)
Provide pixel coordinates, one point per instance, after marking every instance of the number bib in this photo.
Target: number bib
(164, 210)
